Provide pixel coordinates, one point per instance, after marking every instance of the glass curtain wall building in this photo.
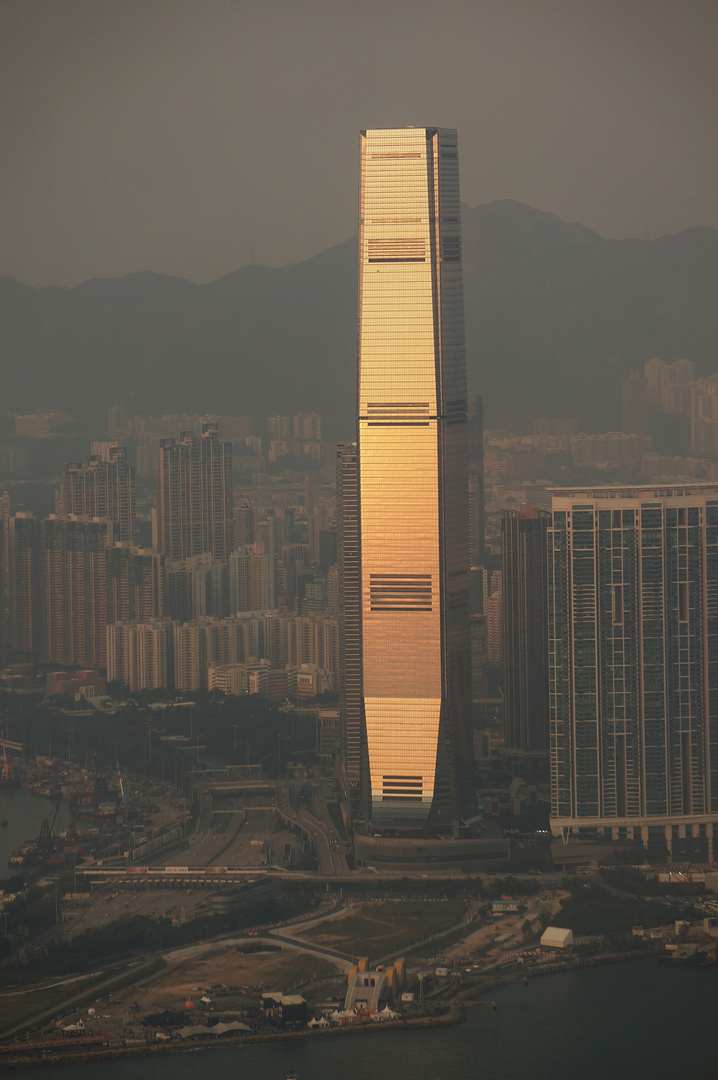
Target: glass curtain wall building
(413, 479)
(633, 664)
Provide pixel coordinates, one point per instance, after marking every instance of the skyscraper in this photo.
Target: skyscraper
(194, 496)
(104, 488)
(73, 556)
(413, 482)
(633, 641)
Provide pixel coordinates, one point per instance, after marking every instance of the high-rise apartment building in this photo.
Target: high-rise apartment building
(412, 440)
(135, 584)
(104, 488)
(633, 664)
(25, 588)
(139, 655)
(194, 496)
(525, 628)
(307, 426)
(57, 583)
(252, 579)
(278, 427)
(73, 555)
(495, 620)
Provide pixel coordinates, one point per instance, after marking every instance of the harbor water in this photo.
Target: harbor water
(24, 813)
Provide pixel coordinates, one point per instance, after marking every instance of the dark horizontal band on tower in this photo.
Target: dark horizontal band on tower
(400, 592)
(398, 249)
(397, 259)
(396, 798)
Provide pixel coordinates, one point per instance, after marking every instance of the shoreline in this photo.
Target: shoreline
(454, 1014)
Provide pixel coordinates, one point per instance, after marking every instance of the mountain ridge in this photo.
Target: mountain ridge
(556, 316)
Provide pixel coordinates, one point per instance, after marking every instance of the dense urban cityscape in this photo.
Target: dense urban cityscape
(359, 539)
(283, 675)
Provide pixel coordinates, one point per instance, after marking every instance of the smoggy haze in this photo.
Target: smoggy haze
(192, 138)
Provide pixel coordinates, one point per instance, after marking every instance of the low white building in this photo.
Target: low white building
(555, 937)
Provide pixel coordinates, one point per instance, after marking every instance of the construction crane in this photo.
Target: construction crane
(46, 841)
(7, 776)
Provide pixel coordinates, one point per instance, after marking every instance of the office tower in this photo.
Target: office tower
(104, 488)
(525, 626)
(633, 698)
(412, 438)
(194, 496)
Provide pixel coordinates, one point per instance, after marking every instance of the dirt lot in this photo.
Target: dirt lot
(243, 974)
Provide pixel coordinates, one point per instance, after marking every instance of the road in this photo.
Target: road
(322, 833)
(140, 968)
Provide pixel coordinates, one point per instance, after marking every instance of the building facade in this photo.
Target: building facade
(194, 496)
(104, 488)
(525, 622)
(413, 479)
(633, 664)
(73, 556)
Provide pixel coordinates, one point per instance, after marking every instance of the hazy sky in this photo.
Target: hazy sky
(193, 137)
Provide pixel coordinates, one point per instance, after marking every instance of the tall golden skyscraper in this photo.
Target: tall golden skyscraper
(413, 480)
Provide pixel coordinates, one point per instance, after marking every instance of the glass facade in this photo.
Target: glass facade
(633, 659)
(412, 439)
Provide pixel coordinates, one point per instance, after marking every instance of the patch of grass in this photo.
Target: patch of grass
(301, 968)
(378, 929)
(591, 909)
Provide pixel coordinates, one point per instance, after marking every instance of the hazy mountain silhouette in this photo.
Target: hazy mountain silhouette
(555, 316)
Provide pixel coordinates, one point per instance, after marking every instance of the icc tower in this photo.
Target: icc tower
(413, 483)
